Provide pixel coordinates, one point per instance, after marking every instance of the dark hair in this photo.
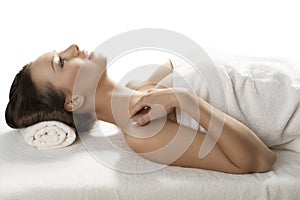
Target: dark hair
(29, 105)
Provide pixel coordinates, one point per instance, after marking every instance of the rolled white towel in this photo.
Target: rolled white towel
(49, 135)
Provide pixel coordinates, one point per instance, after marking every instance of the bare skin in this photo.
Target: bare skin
(238, 150)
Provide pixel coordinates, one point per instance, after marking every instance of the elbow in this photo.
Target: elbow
(265, 162)
(260, 163)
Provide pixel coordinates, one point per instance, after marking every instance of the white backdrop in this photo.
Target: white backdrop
(29, 28)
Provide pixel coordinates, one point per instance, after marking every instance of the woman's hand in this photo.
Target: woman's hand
(159, 103)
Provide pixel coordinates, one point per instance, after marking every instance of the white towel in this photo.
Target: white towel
(49, 135)
(263, 93)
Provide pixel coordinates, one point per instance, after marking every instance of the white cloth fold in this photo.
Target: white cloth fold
(261, 92)
(49, 135)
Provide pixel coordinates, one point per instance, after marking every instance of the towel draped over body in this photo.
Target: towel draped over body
(261, 92)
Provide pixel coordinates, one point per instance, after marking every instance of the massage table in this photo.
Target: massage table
(74, 173)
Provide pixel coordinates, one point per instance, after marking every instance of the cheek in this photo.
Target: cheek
(68, 78)
(84, 79)
(71, 78)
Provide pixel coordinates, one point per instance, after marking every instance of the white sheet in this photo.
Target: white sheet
(72, 173)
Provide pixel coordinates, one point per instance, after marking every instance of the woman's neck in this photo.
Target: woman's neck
(113, 101)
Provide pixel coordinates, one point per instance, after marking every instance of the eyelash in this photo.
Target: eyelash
(62, 62)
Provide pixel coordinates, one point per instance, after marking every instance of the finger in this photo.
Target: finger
(137, 107)
(156, 111)
(150, 90)
(144, 119)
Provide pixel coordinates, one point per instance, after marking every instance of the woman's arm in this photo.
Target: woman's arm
(183, 145)
(236, 141)
(239, 143)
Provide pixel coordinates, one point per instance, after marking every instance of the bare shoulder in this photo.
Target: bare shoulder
(154, 79)
(150, 137)
(140, 85)
(156, 143)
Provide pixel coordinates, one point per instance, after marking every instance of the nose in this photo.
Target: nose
(74, 49)
(76, 52)
(71, 51)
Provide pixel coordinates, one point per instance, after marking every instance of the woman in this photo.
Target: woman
(44, 90)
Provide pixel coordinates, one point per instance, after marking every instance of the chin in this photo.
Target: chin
(99, 59)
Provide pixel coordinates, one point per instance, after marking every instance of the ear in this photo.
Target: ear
(73, 102)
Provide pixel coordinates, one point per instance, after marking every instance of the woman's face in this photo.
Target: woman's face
(65, 69)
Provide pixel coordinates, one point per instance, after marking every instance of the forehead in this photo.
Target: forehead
(46, 57)
(40, 68)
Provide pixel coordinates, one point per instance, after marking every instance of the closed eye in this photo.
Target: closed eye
(61, 62)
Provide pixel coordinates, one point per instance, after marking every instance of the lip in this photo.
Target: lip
(86, 53)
